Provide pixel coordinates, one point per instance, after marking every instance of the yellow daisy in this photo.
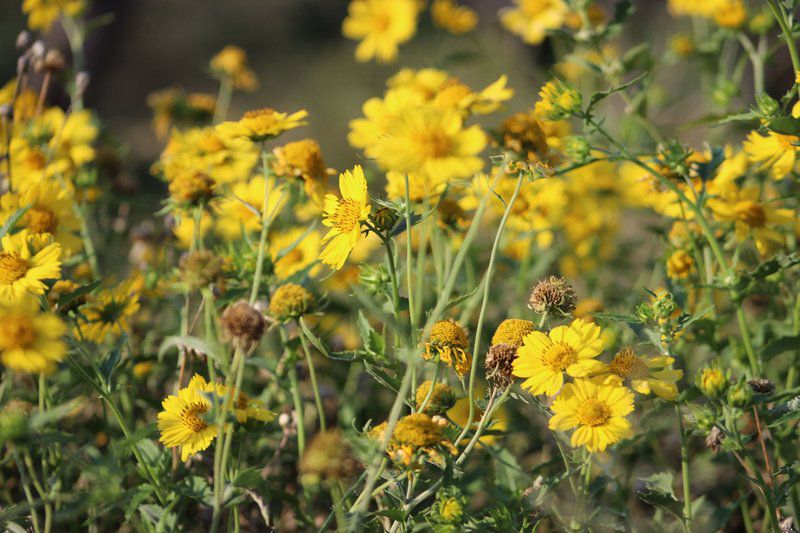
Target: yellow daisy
(231, 62)
(183, 422)
(108, 313)
(598, 412)
(453, 17)
(344, 216)
(380, 25)
(774, 152)
(43, 13)
(448, 343)
(261, 124)
(294, 250)
(543, 359)
(531, 19)
(25, 262)
(30, 340)
(645, 374)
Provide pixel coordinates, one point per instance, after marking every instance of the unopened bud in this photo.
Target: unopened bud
(24, 40)
(54, 60)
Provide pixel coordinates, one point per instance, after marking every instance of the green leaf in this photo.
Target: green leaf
(12, 220)
(785, 125)
(67, 297)
(739, 117)
(187, 341)
(600, 95)
(249, 478)
(780, 345)
(374, 343)
(658, 493)
(110, 363)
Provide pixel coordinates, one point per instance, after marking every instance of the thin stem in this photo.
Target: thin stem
(262, 241)
(687, 489)
(780, 16)
(313, 375)
(297, 400)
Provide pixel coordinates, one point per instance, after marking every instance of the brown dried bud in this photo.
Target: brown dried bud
(714, 439)
(243, 326)
(787, 525)
(201, 269)
(54, 60)
(552, 296)
(500, 365)
(761, 386)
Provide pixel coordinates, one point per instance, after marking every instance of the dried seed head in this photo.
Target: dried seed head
(54, 60)
(24, 40)
(761, 386)
(552, 296)
(243, 325)
(500, 365)
(201, 269)
(290, 301)
(787, 525)
(714, 439)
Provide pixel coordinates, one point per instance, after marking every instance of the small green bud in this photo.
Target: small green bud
(767, 105)
(577, 148)
(712, 381)
(740, 395)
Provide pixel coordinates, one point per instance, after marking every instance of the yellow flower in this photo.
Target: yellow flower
(108, 313)
(261, 124)
(43, 13)
(774, 152)
(419, 188)
(557, 100)
(679, 265)
(752, 216)
(183, 422)
(50, 211)
(344, 216)
(598, 411)
(512, 331)
(380, 25)
(731, 15)
(459, 414)
(431, 143)
(30, 340)
(240, 211)
(645, 374)
(531, 19)
(172, 106)
(303, 160)
(455, 94)
(543, 359)
(379, 115)
(448, 342)
(293, 251)
(415, 437)
(455, 18)
(424, 83)
(707, 8)
(25, 262)
(231, 62)
(246, 408)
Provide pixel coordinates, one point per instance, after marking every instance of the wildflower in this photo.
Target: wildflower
(416, 437)
(328, 458)
(380, 25)
(526, 134)
(192, 188)
(246, 408)
(598, 411)
(344, 217)
(201, 268)
(303, 160)
(240, 212)
(243, 325)
(448, 342)
(43, 13)
(30, 340)
(451, 16)
(531, 19)
(384, 219)
(261, 124)
(682, 45)
(185, 231)
(109, 312)
(679, 265)
(431, 143)
(512, 331)
(290, 301)
(543, 359)
(552, 296)
(293, 251)
(558, 100)
(182, 422)
(142, 369)
(712, 381)
(231, 62)
(499, 364)
(773, 152)
(449, 506)
(442, 398)
(645, 374)
(740, 394)
(25, 262)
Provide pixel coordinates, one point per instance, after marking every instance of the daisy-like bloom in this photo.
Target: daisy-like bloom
(25, 262)
(183, 421)
(455, 94)
(303, 160)
(536, 139)
(774, 152)
(290, 301)
(50, 211)
(431, 143)
(30, 340)
(246, 408)
(191, 189)
(416, 438)
(262, 124)
(597, 410)
(531, 19)
(512, 331)
(344, 216)
(293, 251)
(379, 115)
(448, 342)
(108, 313)
(679, 265)
(752, 216)
(644, 374)
(380, 25)
(231, 63)
(424, 82)
(239, 212)
(543, 359)
(451, 16)
(43, 13)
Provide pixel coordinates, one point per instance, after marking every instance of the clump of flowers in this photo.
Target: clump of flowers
(416, 438)
(448, 343)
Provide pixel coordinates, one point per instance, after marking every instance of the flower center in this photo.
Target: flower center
(558, 356)
(434, 144)
(381, 22)
(210, 143)
(191, 420)
(751, 213)
(12, 267)
(627, 365)
(348, 215)
(41, 220)
(260, 120)
(16, 332)
(593, 412)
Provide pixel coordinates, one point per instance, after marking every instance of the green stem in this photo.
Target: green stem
(421, 408)
(313, 375)
(265, 219)
(223, 99)
(687, 488)
(780, 16)
(298, 409)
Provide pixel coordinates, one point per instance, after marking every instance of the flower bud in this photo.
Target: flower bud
(740, 395)
(712, 381)
(384, 218)
(767, 105)
(577, 148)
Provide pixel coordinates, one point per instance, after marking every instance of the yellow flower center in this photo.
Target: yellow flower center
(12, 267)
(191, 420)
(558, 356)
(348, 215)
(381, 22)
(751, 213)
(434, 144)
(448, 333)
(16, 332)
(627, 365)
(593, 412)
(261, 120)
(41, 220)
